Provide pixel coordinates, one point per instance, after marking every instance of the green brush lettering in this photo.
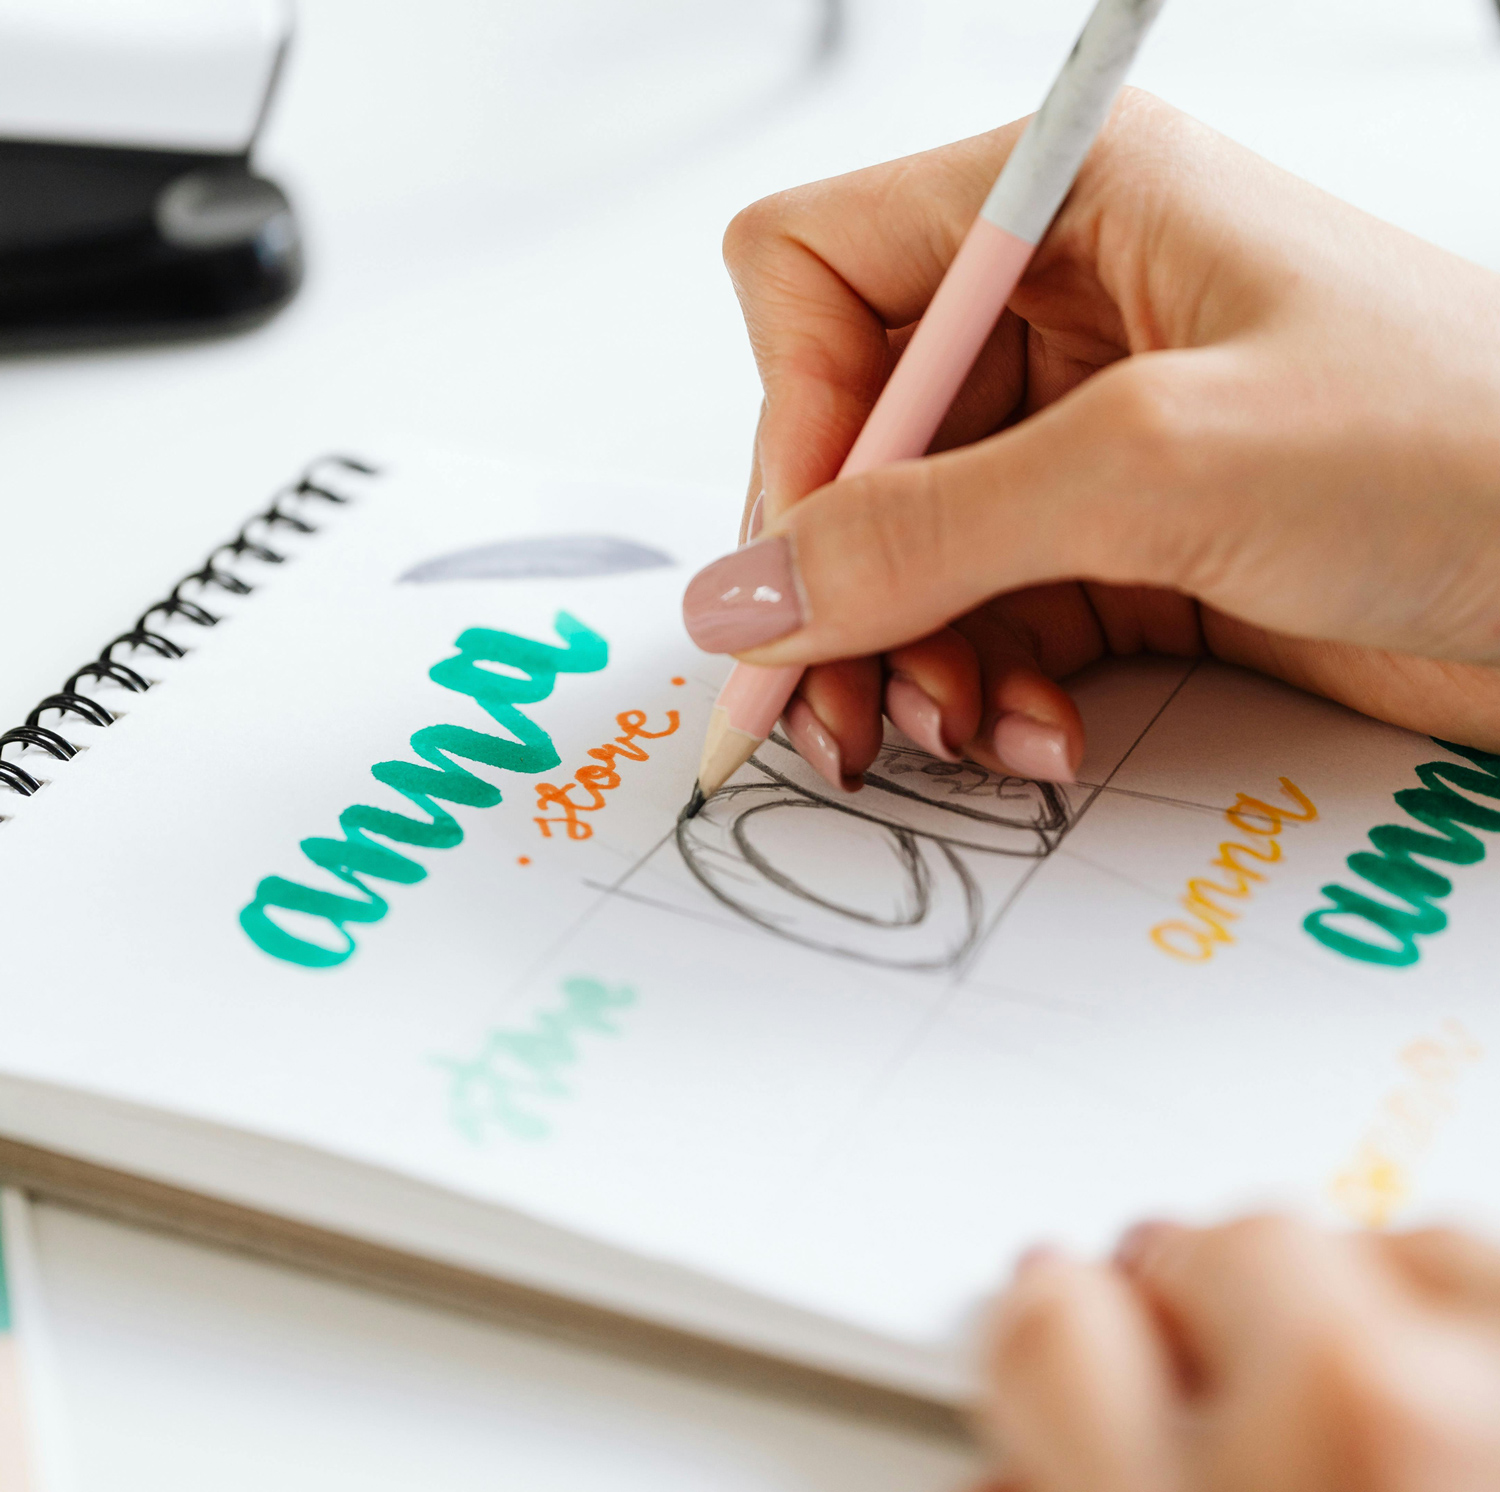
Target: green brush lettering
(1412, 888)
(534, 667)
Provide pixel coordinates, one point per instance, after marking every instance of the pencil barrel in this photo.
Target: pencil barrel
(1042, 168)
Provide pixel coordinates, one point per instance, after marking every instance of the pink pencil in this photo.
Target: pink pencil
(963, 313)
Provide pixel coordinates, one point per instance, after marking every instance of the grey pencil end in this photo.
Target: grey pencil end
(694, 805)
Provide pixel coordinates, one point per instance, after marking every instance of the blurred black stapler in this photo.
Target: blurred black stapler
(129, 209)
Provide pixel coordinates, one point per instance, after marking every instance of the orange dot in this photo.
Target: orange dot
(523, 860)
(679, 681)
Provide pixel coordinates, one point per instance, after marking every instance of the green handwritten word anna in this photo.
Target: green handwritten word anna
(517, 1067)
(1406, 912)
(533, 668)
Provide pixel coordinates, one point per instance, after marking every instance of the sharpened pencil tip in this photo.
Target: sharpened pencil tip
(694, 804)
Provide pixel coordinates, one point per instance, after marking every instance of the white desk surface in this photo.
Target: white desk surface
(513, 214)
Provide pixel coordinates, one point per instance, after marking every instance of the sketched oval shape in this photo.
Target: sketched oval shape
(843, 862)
(543, 557)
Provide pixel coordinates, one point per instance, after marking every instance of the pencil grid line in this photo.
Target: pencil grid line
(1162, 798)
(522, 981)
(939, 1008)
(1353, 978)
(1094, 795)
(665, 906)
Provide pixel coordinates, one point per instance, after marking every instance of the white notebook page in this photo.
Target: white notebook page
(848, 1053)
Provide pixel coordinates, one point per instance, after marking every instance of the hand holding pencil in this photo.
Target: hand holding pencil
(962, 313)
(1224, 413)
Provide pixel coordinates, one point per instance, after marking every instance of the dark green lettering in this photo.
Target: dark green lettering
(1394, 869)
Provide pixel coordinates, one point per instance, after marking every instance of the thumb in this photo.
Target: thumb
(1092, 487)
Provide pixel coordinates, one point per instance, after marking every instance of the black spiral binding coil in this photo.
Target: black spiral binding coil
(69, 701)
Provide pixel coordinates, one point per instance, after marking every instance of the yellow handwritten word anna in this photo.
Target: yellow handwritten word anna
(601, 779)
(1197, 941)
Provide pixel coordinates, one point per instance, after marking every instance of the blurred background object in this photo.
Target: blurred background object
(128, 205)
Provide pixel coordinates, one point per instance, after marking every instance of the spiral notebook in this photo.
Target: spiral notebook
(346, 913)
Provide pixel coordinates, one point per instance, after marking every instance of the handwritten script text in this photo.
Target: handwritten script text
(596, 780)
(514, 1069)
(1197, 940)
(534, 667)
(1402, 909)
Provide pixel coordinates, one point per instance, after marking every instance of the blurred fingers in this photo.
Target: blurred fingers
(1253, 1293)
(1457, 1268)
(1080, 1391)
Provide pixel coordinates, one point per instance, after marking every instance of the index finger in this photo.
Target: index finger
(824, 273)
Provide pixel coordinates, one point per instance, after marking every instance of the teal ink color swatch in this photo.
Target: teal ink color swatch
(500, 1088)
(529, 749)
(7, 1322)
(1442, 807)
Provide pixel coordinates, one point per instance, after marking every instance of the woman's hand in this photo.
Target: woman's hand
(1225, 413)
(1263, 1356)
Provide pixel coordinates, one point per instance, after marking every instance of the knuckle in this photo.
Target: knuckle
(753, 228)
(1040, 1324)
(1137, 108)
(1424, 1250)
(1164, 450)
(1152, 133)
(1235, 1247)
(1439, 1240)
(1269, 1233)
(1150, 415)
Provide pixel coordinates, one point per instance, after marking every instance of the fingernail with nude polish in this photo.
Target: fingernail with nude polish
(1032, 749)
(744, 599)
(815, 744)
(757, 519)
(913, 710)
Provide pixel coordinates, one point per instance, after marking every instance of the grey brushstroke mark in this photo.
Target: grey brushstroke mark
(558, 557)
(831, 35)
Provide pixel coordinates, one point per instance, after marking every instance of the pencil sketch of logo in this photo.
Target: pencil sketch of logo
(544, 557)
(895, 876)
